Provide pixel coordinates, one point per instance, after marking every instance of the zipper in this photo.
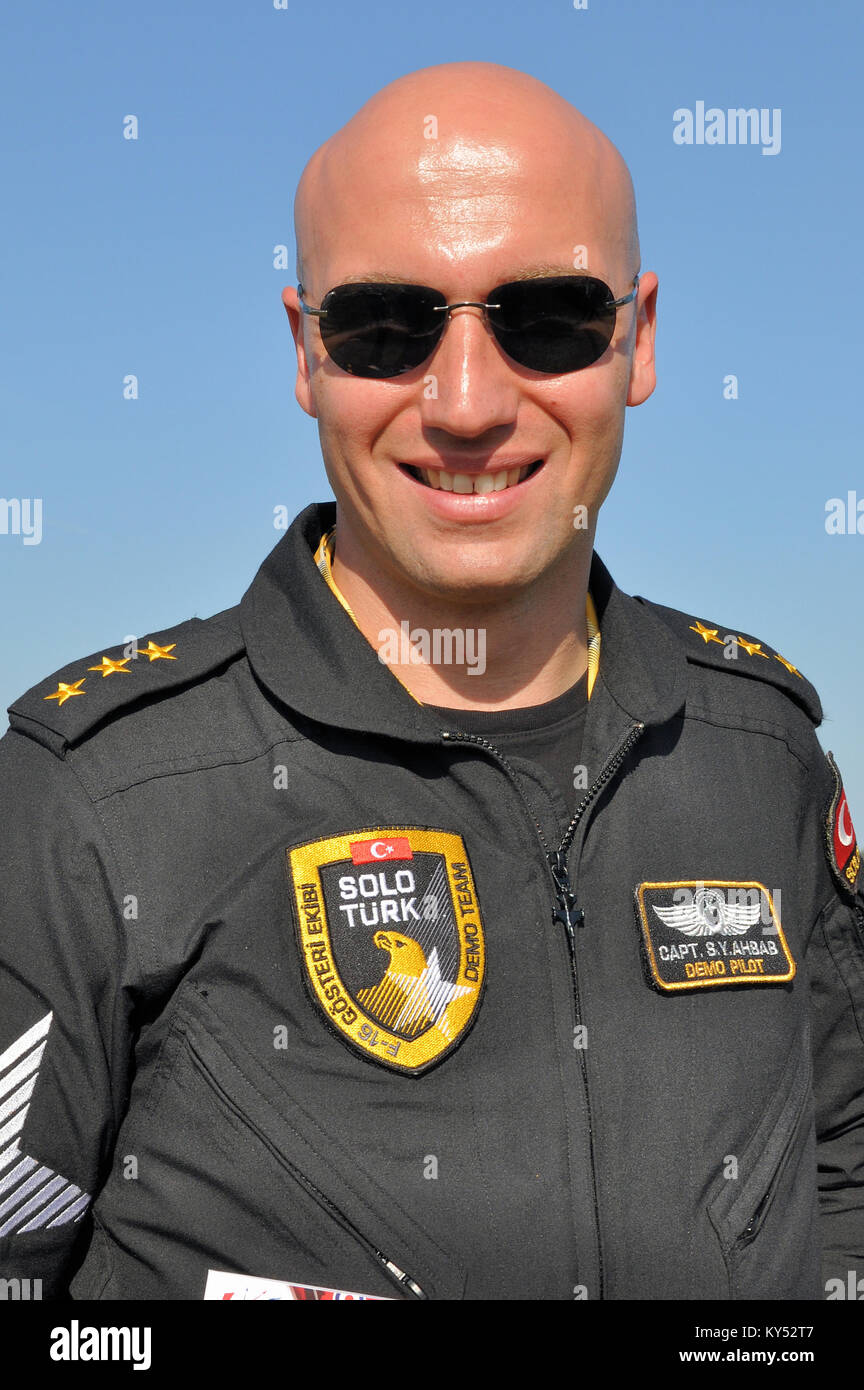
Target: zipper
(405, 1282)
(565, 910)
(767, 1170)
(751, 1230)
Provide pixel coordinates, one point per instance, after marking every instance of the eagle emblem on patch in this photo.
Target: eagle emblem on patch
(391, 938)
(703, 933)
(844, 856)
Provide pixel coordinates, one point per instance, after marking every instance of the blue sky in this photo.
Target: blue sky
(155, 257)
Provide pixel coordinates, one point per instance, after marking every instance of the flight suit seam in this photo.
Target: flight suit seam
(116, 858)
(482, 1167)
(142, 943)
(126, 940)
(226, 758)
(740, 724)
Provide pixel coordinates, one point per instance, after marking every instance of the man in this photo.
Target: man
(441, 922)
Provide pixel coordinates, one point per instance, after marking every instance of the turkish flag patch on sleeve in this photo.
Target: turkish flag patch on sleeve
(844, 856)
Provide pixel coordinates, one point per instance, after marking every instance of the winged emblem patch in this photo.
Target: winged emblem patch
(709, 914)
(703, 934)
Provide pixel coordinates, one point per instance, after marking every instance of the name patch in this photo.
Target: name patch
(391, 939)
(702, 933)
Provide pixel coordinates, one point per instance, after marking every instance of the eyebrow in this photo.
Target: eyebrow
(534, 272)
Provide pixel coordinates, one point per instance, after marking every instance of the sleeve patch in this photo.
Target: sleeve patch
(841, 845)
(31, 1195)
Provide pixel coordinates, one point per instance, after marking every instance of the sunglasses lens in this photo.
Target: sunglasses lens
(554, 325)
(381, 330)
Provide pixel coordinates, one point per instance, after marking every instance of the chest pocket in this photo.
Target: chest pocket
(237, 1174)
(767, 1217)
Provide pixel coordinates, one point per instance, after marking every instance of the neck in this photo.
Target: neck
(524, 649)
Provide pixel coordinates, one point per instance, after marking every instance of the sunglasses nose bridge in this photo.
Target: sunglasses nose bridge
(447, 309)
(446, 314)
(477, 389)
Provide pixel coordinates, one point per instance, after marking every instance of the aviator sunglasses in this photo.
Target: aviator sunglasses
(553, 324)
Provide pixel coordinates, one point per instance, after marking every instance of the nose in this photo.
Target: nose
(468, 385)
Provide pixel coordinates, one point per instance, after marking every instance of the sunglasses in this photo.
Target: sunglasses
(554, 324)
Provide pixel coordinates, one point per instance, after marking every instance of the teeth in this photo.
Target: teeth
(477, 482)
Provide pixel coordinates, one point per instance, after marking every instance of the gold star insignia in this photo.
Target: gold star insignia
(155, 652)
(65, 692)
(754, 648)
(109, 667)
(789, 666)
(708, 634)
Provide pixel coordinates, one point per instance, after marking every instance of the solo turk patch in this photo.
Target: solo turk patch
(391, 940)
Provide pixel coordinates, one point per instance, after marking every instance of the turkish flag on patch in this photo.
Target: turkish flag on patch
(844, 833)
(373, 851)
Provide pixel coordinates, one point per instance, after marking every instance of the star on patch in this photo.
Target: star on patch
(157, 653)
(110, 667)
(428, 993)
(65, 692)
(789, 667)
(708, 634)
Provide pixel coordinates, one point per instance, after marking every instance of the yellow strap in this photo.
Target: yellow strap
(593, 642)
(324, 561)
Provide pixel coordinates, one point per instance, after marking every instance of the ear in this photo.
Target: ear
(303, 385)
(643, 377)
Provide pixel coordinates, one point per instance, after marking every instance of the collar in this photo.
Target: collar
(324, 560)
(306, 649)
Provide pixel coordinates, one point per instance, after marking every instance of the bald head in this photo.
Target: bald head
(451, 158)
(465, 177)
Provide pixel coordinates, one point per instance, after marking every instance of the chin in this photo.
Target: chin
(469, 582)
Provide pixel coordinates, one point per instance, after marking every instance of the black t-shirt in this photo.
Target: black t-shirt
(549, 734)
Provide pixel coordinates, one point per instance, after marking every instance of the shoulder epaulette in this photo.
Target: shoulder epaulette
(710, 644)
(71, 703)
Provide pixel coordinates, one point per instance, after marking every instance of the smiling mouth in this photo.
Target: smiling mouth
(465, 483)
